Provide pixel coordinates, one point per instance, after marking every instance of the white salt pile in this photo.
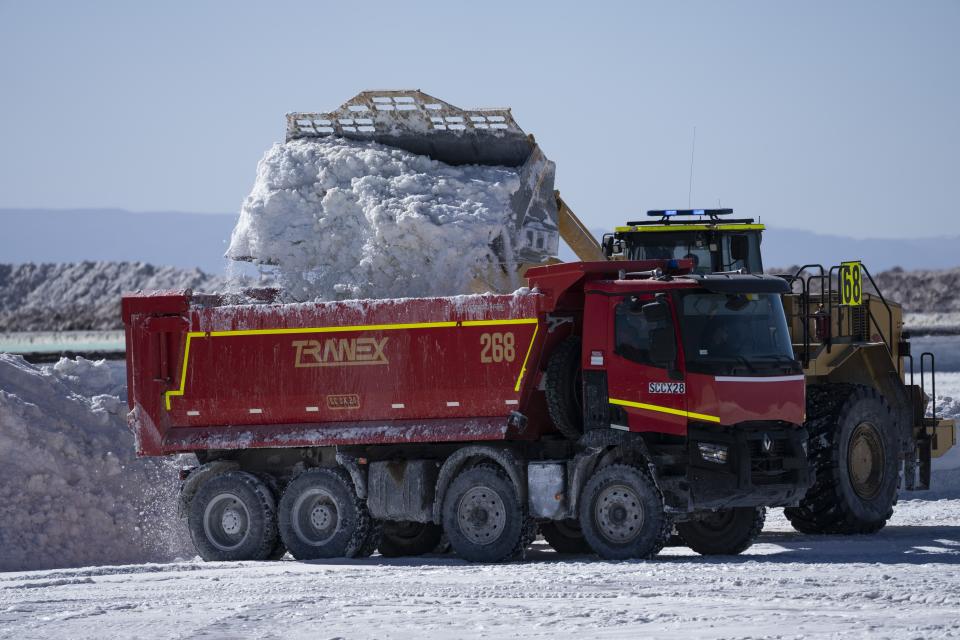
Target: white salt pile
(347, 219)
(72, 493)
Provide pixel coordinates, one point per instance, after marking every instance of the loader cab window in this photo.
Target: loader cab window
(678, 246)
(741, 251)
(633, 332)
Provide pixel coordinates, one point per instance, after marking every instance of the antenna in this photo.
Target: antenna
(693, 148)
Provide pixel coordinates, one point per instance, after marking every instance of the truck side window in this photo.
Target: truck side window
(632, 333)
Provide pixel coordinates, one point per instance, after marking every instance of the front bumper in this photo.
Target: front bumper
(766, 466)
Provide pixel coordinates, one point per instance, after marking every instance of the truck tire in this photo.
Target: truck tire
(565, 536)
(321, 516)
(854, 455)
(621, 514)
(725, 532)
(563, 389)
(482, 516)
(409, 538)
(233, 516)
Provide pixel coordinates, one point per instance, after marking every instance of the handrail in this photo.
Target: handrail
(890, 316)
(933, 383)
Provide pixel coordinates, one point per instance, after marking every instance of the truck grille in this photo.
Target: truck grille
(767, 464)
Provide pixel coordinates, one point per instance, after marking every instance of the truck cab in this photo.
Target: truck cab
(698, 370)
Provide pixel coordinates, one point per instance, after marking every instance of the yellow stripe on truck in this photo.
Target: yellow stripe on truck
(661, 409)
(360, 327)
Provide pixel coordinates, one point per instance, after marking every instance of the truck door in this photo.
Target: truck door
(646, 386)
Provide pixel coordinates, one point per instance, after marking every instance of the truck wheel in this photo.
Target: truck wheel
(565, 536)
(563, 389)
(409, 538)
(233, 516)
(322, 517)
(853, 451)
(621, 514)
(482, 516)
(725, 532)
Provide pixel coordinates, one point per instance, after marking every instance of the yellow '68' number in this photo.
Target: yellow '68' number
(497, 347)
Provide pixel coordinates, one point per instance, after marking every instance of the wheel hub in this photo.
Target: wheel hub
(316, 519)
(619, 514)
(231, 521)
(321, 516)
(226, 521)
(865, 460)
(481, 515)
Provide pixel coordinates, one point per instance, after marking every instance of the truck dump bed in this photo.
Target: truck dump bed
(204, 375)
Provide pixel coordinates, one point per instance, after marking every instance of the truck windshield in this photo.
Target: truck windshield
(736, 334)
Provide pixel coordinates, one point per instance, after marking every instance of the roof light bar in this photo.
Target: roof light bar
(670, 213)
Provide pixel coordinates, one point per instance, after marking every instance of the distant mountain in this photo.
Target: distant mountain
(176, 239)
(784, 247)
(199, 240)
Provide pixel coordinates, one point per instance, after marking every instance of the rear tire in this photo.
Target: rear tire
(563, 389)
(409, 538)
(725, 532)
(482, 516)
(621, 514)
(322, 517)
(233, 516)
(853, 448)
(565, 536)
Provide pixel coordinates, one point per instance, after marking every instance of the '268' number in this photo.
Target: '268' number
(497, 347)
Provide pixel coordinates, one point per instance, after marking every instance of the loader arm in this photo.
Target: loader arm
(576, 234)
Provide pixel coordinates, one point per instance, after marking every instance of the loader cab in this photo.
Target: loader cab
(714, 243)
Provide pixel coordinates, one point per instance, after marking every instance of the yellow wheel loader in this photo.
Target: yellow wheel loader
(867, 395)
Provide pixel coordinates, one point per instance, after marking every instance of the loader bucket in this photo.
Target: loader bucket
(422, 124)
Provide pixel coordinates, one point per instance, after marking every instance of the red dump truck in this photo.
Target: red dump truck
(604, 406)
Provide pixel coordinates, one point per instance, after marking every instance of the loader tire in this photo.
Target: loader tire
(409, 538)
(320, 516)
(565, 536)
(622, 514)
(483, 517)
(854, 456)
(563, 389)
(725, 532)
(233, 516)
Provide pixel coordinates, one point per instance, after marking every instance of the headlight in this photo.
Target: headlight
(713, 452)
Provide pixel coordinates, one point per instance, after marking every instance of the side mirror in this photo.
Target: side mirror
(606, 245)
(656, 312)
(739, 248)
(663, 346)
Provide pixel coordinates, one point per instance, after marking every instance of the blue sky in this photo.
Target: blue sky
(834, 117)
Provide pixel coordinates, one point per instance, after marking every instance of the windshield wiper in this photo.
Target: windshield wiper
(744, 360)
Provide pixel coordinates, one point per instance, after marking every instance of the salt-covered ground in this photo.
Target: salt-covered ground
(901, 583)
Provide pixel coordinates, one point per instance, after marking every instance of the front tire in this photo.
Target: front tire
(621, 514)
(482, 516)
(726, 532)
(563, 389)
(322, 517)
(233, 516)
(854, 452)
